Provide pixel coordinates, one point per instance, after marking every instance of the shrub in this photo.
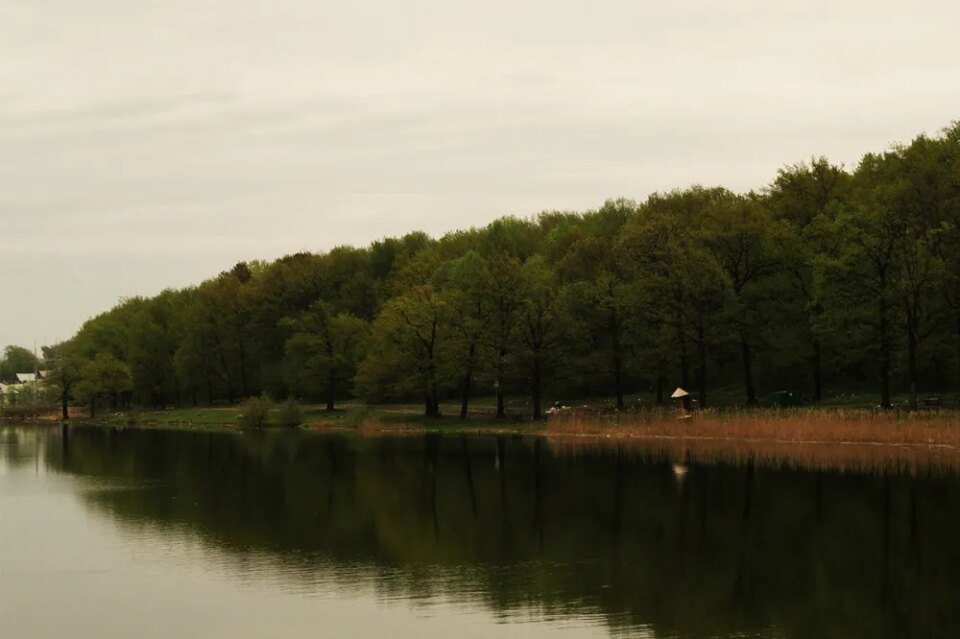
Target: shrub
(255, 412)
(290, 414)
(133, 418)
(356, 418)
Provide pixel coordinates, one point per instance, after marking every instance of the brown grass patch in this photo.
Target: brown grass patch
(843, 439)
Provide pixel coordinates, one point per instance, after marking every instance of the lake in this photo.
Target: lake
(147, 533)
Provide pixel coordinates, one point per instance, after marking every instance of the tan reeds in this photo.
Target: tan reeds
(841, 439)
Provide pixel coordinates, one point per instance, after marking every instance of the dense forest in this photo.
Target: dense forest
(826, 280)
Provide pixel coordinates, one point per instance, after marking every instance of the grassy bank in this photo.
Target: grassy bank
(349, 417)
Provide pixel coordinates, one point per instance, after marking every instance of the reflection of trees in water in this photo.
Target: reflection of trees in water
(725, 549)
(21, 445)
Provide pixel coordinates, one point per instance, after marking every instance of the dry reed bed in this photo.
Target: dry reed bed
(844, 440)
(797, 425)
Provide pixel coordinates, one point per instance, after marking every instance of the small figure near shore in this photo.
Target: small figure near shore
(684, 398)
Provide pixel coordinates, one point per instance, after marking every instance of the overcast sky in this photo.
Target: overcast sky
(153, 143)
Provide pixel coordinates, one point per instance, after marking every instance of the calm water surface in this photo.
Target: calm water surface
(142, 534)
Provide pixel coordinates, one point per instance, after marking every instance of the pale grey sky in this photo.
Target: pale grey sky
(153, 143)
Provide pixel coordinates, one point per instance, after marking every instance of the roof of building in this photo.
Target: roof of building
(26, 377)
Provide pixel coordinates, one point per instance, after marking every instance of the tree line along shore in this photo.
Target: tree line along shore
(827, 279)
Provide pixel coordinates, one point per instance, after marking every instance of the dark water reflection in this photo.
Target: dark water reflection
(606, 540)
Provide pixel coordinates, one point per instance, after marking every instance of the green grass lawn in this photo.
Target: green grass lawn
(347, 416)
(350, 415)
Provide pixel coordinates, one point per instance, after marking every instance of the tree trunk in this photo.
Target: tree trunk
(227, 377)
(618, 380)
(684, 364)
(661, 382)
(958, 357)
(702, 366)
(537, 400)
(331, 390)
(427, 405)
(617, 361)
(884, 357)
(64, 412)
(93, 408)
(467, 382)
(817, 372)
(501, 408)
(748, 369)
(244, 386)
(912, 362)
(465, 394)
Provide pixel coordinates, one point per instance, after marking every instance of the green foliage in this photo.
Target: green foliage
(408, 351)
(290, 414)
(17, 359)
(103, 376)
(827, 279)
(255, 412)
(323, 351)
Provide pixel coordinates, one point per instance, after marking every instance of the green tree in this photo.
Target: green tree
(324, 350)
(17, 359)
(745, 240)
(103, 376)
(64, 373)
(406, 349)
(588, 258)
(678, 288)
(152, 349)
(501, 288)
(543, 326)
(470, 311)
(807, 197)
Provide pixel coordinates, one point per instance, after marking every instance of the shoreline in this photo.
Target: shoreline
(842, 439)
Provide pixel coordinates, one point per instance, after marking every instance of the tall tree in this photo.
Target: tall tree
(543, 326)
(807, 197)
(678, 287)
(406, 348)
(470, 315)
(324, 350)
(868, 265)
(501, 287)
(744, 241)
(103, 376)
(64, 372)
